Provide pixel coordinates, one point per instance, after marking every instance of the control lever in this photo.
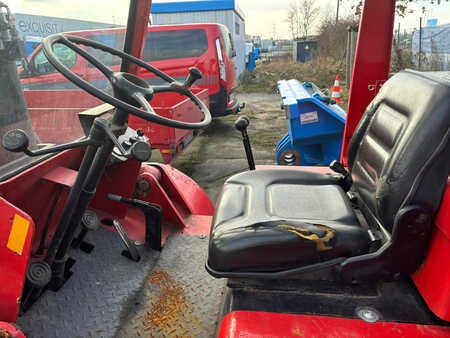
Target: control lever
(153, 220)
(194, 75)
(182, 88)
(131, 251)
(241, 125)
(339, 168)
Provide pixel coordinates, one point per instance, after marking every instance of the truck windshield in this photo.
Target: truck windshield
(34, 96)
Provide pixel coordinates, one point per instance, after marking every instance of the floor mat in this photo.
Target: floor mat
(179, 299)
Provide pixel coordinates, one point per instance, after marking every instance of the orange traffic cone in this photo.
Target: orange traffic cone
(336, 94)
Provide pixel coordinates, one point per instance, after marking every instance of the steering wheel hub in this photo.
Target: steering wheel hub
(126, 86)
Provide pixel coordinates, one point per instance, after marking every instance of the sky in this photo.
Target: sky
(263, 17)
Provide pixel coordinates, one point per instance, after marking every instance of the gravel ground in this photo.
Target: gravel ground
(218, 153)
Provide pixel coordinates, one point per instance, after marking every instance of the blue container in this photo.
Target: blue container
(315, 126)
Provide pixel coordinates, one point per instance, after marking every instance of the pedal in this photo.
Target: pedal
(131, 251)
(89, 222)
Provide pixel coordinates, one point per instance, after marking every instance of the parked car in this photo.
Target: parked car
(173, 49)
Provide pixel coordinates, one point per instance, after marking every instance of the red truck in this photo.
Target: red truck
(173, 49)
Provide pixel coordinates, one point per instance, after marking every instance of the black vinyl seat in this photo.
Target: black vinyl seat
(273, 219)
(279, 220)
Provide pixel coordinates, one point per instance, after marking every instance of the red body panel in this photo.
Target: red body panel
(13, 266)
(433, 277)
(259, 324)
(372, 62)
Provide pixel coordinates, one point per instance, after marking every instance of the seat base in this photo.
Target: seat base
(279, 222)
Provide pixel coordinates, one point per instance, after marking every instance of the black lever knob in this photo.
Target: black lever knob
(337, 167)
(15, 140)
(194, 75)
(141, 151)
(242, 123)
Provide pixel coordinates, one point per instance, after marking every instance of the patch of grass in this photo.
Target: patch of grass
(230, 118)
(322, 71)
(250, 114)
(266, 138)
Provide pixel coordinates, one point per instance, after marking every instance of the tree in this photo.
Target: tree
(292, 20)
(301, 15)
(308, 13)
(401, 6)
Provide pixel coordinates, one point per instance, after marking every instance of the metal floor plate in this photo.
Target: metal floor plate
(167, 294)
(100, 293)
(179, 299)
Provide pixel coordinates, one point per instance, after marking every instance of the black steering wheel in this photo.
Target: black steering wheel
(130, 91)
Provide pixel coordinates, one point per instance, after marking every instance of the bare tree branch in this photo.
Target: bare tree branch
(308, 14)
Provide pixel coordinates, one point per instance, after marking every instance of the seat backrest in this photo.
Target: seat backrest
(399, 153)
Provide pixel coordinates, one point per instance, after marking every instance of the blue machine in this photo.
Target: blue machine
(253, 56)
(315, 125)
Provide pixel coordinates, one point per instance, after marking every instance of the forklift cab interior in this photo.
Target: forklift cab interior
(374, 223)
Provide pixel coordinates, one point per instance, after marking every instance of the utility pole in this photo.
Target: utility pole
(398, 34)
(337, 11)
(420, 44)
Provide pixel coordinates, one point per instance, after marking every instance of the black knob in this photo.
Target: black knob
(15, 140)
(337, 167)
(141, 151)
(242, 123)
(194, 75)
(140, 132)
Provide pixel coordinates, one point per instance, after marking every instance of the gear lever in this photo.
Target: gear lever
(241, 125)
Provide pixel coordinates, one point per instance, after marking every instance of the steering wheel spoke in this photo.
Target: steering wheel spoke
(163, 89)
(144, 103)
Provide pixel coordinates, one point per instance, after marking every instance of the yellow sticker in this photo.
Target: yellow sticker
(18, 234)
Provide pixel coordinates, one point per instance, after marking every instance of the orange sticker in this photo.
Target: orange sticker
(18, 234)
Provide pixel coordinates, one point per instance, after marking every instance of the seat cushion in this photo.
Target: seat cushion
(276, 219)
